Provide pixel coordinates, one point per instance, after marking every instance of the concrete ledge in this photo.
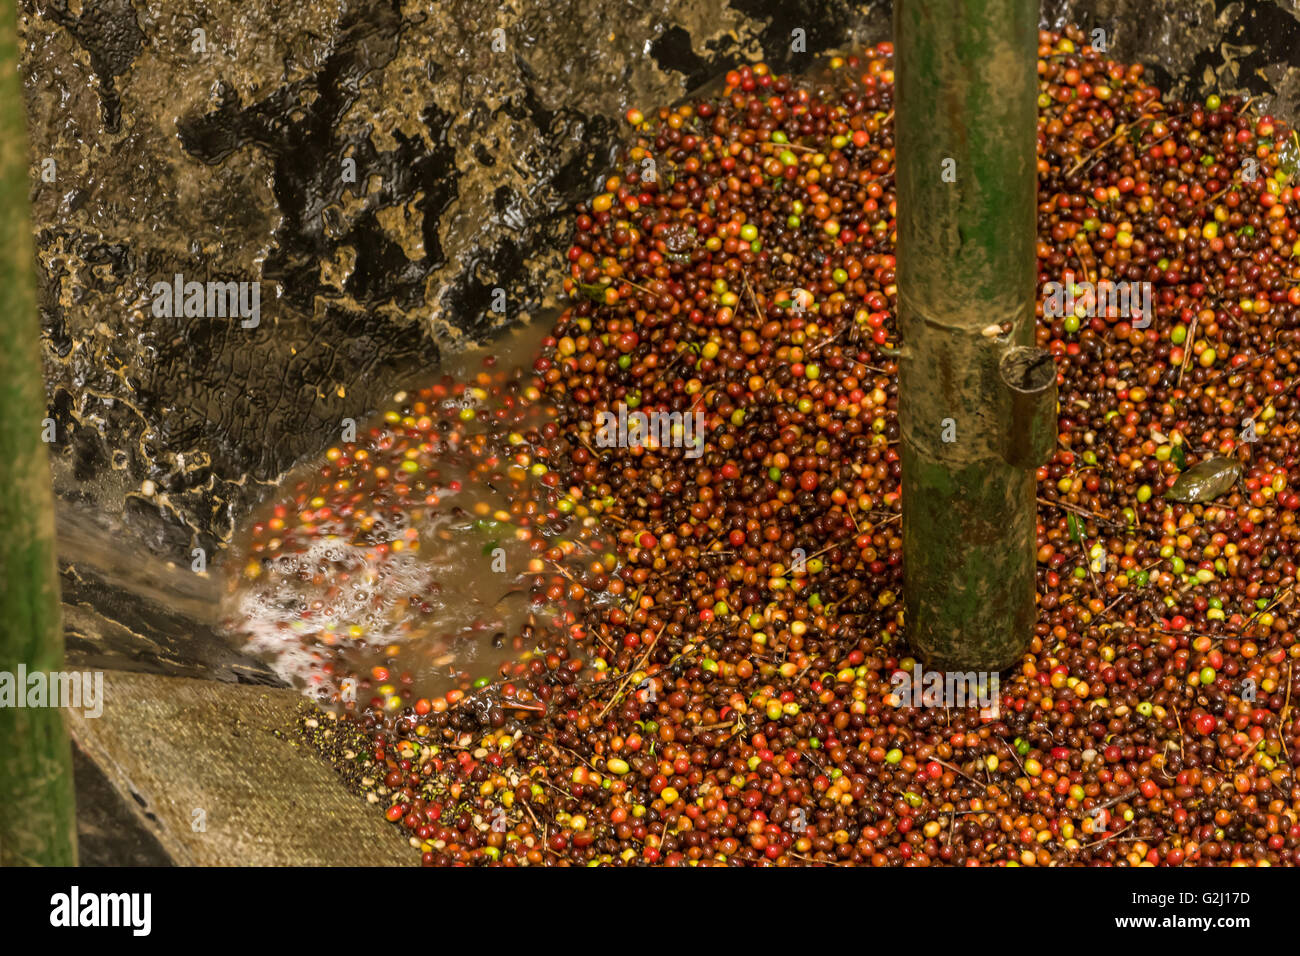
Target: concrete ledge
(175, 746)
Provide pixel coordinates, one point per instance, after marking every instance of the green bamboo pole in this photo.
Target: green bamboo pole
(976, 400)
(37, 812)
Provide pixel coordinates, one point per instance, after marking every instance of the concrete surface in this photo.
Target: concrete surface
(178, 746)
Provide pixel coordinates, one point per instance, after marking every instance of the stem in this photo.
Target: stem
(977, 402)
(37, 812)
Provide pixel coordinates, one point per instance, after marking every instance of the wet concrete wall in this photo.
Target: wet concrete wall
(378, 167)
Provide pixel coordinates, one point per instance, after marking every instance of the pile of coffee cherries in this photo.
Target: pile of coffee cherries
(734, 704)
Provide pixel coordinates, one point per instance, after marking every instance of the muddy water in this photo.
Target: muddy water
(416, 559)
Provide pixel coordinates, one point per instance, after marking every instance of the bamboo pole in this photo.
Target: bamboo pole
(976, 399)
(37, 813)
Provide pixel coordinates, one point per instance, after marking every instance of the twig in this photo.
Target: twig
(1283, 733)
(829, 341)
(1079, 511)
(807, 859)
(644, 657)
(956, 769)
(546, 835)
(1276, 601)
(1126, 795)
(753, 299)
(1087, 160)
(706, 727)
(1187, 355)
(1015, 756)
(1080, 243)
(1107, 839)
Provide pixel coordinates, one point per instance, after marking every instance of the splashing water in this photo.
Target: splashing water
(407, 563)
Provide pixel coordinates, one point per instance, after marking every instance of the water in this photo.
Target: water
(413, 562)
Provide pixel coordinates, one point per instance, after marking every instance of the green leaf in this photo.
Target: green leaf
(1076, 532)
(1179, 455)
(1206, 481)
(595, 291)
